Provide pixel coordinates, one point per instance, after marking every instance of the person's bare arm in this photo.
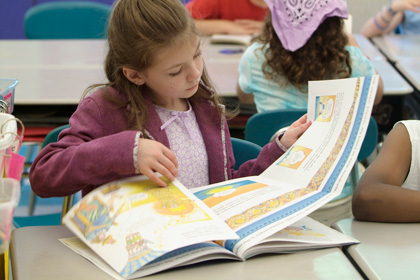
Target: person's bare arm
(222, 26)
(371, 29)
(379, 91)
(379, 196)
(244, 97)
(385, 21)
(352, 40)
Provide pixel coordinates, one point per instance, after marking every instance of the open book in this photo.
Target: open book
(132, 228)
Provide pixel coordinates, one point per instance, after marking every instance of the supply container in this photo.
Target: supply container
(9, 199)
(8, 134)
(7, 94)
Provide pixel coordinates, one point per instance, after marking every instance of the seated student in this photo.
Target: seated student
(228, 16)
(389, 189)
(401, 14)
(158, 112)
(292, 50)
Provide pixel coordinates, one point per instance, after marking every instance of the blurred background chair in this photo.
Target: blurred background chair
(244, 150)
(67, 20)
(47, 219)
(261, 127)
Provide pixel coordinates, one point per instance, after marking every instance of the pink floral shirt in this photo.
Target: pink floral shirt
(187, 143)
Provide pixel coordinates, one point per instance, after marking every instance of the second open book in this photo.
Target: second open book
(133, 228)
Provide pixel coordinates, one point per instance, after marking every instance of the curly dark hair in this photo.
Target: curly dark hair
(322, 57)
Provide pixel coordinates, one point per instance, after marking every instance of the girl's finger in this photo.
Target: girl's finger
(171, 156)
(300, 121)
(154, 178)
(302, 128)
(167, 164)
(162, 169)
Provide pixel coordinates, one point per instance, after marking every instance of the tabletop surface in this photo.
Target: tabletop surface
(394, 83)
(397, 47)
(386, 250)
(59, 71)
(36, 254)
(368, 48)
(411, 70)
(52, 71)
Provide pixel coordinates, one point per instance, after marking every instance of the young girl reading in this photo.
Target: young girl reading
(389, 189)
(157, 113)
(302, 41)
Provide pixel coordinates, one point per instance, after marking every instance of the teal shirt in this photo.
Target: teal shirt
(411, 23)
(271, 95)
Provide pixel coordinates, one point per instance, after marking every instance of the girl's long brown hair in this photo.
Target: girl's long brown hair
(138, 31)
(323, 57)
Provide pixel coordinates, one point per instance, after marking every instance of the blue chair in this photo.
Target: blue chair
(48, 219)
(244, 150)
(370, 142)
(260, 128)
(67, 20)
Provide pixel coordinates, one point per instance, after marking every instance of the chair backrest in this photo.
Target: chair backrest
(261, 127)
(67, 20)
(52, 136)
(370, 142)
(244, 150)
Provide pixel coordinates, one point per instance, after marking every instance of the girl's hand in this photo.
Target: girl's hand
(252, 26)
(243, 27)
(295, 131)
(152, 157)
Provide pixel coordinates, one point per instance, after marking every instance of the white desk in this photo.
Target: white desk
(37, 254)
(368, 48)
(411, 70)
(222, 68)
(394, 83)
(387, 250)
(52, 71)
(397, 47)
(58, 71)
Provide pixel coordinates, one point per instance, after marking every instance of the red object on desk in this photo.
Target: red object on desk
(35, 133)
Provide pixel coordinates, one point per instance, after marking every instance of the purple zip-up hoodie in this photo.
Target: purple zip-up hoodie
(98, 147)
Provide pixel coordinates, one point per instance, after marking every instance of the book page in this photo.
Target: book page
(304, 234)
(131, 223)
(180, 257)
(336, 107)
(311, 173)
